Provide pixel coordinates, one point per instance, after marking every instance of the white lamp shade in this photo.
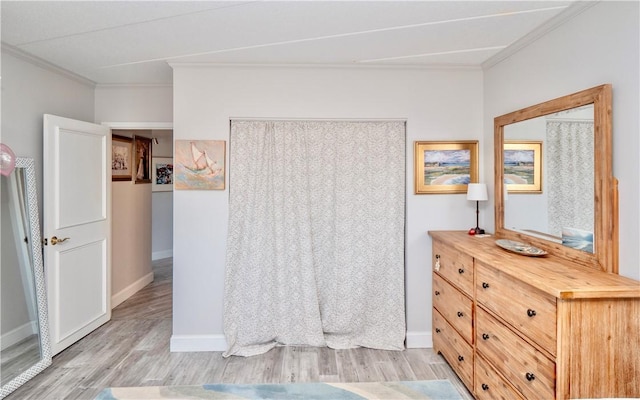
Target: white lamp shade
(477, 192)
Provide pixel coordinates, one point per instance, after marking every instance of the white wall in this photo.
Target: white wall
(131, 239)
(29, 91)
(162, 204)
(141, 107)
(600, 45)
(438, 105)
(134, 103)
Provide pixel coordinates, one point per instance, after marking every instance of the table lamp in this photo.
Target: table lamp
(477, 192)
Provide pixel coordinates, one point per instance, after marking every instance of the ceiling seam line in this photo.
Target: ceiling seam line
(325, 37)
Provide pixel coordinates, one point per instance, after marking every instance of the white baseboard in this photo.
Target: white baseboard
(20, 333)
(186, 343)
(419, 340)
(159, 255)
(130, 290)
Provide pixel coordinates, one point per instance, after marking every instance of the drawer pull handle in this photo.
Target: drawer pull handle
(460, 358)
(437, 330)
(485, 336)
(437, 293)
(485, 386)
(485, 285)
(531, 313)
(530, 376)
(460, 271)
(437, 256)
(460, 314)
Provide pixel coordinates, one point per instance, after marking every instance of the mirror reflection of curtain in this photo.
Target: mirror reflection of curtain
(315, 250)
(569, 155)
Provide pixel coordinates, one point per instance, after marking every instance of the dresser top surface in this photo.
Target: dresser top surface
(550, 274)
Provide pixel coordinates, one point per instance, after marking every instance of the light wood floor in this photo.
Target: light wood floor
(19, 357)
(133, 350)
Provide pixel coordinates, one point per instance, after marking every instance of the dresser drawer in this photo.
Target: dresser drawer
(523, 365)
(457, 352)
(489, 384)
(455, 266)
(529, 310)
(454, 306)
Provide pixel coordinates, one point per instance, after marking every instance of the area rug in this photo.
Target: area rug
(434, 390)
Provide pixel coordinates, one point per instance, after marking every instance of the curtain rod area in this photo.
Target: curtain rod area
(319, 119)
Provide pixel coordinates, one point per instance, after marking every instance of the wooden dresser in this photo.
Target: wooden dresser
(516, 327)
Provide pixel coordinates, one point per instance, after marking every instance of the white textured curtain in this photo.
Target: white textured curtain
(315, 251)
(570, 167)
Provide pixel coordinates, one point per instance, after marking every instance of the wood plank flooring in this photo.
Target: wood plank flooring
(133, 350)
(19, 357)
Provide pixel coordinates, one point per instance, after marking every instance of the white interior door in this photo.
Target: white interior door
(77, 227)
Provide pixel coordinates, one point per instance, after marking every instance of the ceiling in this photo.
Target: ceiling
(135, 42)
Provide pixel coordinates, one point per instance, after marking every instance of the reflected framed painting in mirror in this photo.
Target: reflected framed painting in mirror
(577, 239)
(523, 166)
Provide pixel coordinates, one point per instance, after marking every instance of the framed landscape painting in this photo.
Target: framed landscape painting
(523, 166)
(445, 167)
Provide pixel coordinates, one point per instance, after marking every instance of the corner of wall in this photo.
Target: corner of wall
(419, 340)
(188, 343)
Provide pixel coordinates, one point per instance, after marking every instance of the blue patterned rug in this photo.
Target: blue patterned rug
(435, 390)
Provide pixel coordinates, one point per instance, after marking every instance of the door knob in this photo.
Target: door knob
(55, 240)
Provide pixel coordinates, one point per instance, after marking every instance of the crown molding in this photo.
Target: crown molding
(553, 23)
(46, 65)
(134, 85)
(138, 125)
(425, 67)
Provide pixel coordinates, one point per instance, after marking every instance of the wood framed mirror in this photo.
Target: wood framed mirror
(573, 213)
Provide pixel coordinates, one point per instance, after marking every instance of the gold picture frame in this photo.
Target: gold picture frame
(522, 166)
(445, 167)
